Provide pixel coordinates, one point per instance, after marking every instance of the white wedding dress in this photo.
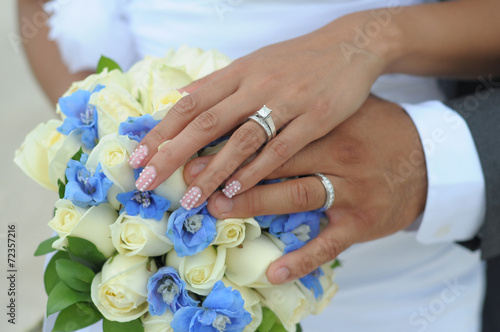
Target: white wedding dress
(394, 284)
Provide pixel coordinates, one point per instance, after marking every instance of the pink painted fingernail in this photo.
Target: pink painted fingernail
(138, 156)
(232, 188)
(146, 177)
(190, 198)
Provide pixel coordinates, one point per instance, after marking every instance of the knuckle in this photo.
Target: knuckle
(348, 153)
(280, 149)
(155, 135)
(215, 177)
(206, 122)
(246, 138)
(306, 265)
(326, 249)
(300, 194)
(253, 203)
(187, 105)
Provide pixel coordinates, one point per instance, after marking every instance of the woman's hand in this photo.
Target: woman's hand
(310, 83)
(363, 158)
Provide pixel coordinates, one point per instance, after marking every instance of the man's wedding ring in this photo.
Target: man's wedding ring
(330, 192)
(264, 119)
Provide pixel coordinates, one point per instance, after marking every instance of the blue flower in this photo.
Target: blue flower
(191, 231)
(265, 221)
(137, 127)
(296, 229)
(311, 281)
(222, 310)
(80, 116)
(166, 289)
(83, 188)
(145, 203)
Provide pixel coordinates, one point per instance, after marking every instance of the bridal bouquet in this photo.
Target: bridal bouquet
(137, 259)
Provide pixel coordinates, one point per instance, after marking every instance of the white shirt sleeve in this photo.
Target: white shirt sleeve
(456, 197)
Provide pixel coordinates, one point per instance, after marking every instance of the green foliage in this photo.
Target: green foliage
(112, 326)
(77, 316)
(271, 323)
(46, 246)
(74, 274)
(50, 278)
(62, 189)
(336, 264)
(86, 253)
(62, 297)
(105, 62)
(78, 155)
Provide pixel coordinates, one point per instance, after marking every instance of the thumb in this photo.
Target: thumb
(339, 234)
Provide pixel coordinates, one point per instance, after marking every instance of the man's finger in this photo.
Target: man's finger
(339, 235)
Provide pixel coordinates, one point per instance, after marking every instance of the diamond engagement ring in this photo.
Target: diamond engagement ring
(264, 119)
(330, 192)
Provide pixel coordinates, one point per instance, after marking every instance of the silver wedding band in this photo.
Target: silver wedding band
(264, 119)
(330, 192)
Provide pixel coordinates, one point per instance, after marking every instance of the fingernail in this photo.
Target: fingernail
(190, 198)
(282, 274)
(146, 177)
(196, 169)
(232, 188)
(223, 204)
(138, 156)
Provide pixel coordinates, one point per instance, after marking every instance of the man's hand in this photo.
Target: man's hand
(376, 163)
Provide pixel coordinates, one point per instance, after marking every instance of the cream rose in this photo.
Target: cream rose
(330, 288)
(132, 235)
(213, 149)
(90, 224)
(252, 304)
(114, 105)
(232, 232)
(173, 188)
(200, 271)
(246, 265)
(163, 101)
(288, 302)
(119, 291)
(39, 149)
(158, 323)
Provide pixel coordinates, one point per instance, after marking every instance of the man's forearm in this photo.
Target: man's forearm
(43, 54)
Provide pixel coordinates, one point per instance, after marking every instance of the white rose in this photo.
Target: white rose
(133, 235)
(232, 232)
(112, 153)
(38, 150)
(163, 101)
(196, 62)
(158, 323)
(252, 304)
(62, 153)
(200, 271)
(114, 105)
(288, 302)
(247, 264)
(106, 78)
(119, 291)
(213, 149)
(173, 188)
(89, 224)
(329, 289)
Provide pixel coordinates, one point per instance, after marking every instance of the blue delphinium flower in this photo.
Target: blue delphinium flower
(191, 231)
(80, 115)
(222, 310)
(311, 281)
(296, 229)
(137, 127)
(265, 221)
(166, 289)
(83, 188)
(144, 203)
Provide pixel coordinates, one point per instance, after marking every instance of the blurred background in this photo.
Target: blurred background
(22, 201)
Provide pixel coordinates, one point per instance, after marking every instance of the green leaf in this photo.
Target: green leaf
(78, 155)
(277, 327)
(87, 251)
(299, 328)
(62, 297)
(77, 316)
(46, 246)
(105, 62)
(268, 320)
(62, 189)
(74, 274)
(50, 277)
(112, 326)
(336, 264)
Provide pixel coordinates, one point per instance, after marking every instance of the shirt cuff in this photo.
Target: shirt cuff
(456, 197)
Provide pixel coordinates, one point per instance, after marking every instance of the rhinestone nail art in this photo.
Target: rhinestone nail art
(232, 188)
(146, 177)
(138, 156)
(190, 198)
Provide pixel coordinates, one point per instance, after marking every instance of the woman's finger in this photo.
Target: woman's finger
(340, 233)
(297, 195)
(182, 113)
